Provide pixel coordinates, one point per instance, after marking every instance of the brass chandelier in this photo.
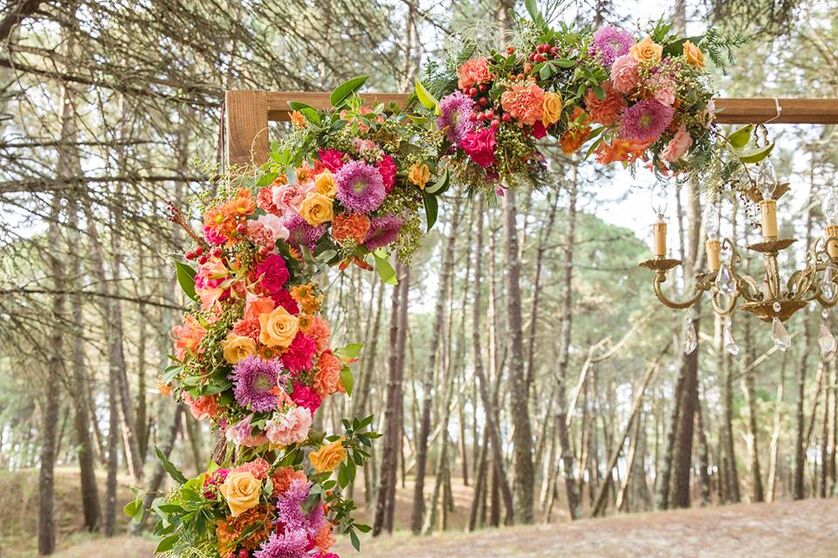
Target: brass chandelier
(767, 297)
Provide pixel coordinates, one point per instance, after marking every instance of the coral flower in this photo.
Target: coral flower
(327, 377)
(625, 74)
(187, 337)
(577, 133)
(350, 227)
(524, 102)
(605, 111)
(473, 72)
(678, 145)
(620, 150)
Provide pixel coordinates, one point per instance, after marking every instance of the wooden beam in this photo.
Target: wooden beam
(246, 127)
(729, 111)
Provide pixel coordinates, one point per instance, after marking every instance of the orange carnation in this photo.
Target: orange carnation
(605, 111)
(350, 227)
(473, 72)
(318, 329)
(524, 102)
(327, 377)
(282, 479)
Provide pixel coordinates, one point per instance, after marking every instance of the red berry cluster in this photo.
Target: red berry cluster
(202, 257)
(487, 113)
(543, 52)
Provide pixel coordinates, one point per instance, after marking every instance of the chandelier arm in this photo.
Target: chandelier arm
(747, 287)
(677, 305)
(727, 309)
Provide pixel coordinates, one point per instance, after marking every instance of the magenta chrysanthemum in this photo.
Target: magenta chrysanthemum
(254, 383)
(290, 544)
(360, 187)
(645, 121)
(383, 231)
(609, 43)
(301, 233)
(289, 506)
(455, 112)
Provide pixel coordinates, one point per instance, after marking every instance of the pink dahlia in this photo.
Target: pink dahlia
(455, 112)
(387, 167)
(256, 382)
(383, 231)
(523, 102)
(609, 43)
(332, 159)
(624, 74)
(304, 396)
(360, 187)
(645, 121)
(480, 146)
(300, 354)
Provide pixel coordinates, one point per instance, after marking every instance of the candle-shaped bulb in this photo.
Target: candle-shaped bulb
(711, 221)
(767, 179)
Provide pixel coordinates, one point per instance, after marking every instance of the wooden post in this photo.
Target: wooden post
(246, 123)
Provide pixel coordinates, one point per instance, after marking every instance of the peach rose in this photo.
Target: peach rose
(551, 108)
(624, 74)
(646, 51)
(328, 457)
(278, 328)
(241, 490)
(237, 347)
(693, 54)
(419, 174)
(325, 184)
(316, 209)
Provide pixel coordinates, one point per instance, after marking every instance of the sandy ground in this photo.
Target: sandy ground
(806, 529)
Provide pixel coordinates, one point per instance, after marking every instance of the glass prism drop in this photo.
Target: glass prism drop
(724, 281)
(729, 341)
(780, 335)
(828, 287)
(826, 340)
(690, 339)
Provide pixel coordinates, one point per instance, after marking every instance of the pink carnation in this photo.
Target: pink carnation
(480, 146)
(387, 167)
(271, 273)
(678, 146)
(663, 89)
(283, 298)
(258, 468)
(300, 355)
(266, 230)
(473, 72)
(332, 159)
(265, 201)
(304, 396)
(291, 427)
(624, 74)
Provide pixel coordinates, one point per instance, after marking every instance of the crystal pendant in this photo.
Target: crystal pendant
(780, 335)
(690, 338)
(826, 340)
(828, 287)
(724, 282)
(729, 341)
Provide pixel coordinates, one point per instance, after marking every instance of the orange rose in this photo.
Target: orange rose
(328, 457)
(278, 328)
(647, 51)
(419, 174)
(241, 490)
(693, 55)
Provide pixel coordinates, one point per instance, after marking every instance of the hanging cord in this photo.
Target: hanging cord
(778, 109)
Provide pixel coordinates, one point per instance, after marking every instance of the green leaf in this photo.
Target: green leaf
(545, 72)
(441, 185)
(345, 90)
(535, 13)
(350, 351)
(756, 155)
(425, 97)
(384, 269)
(346, 379)
(741, 137)
(173, 471)
(599, 92)
(565, 62)
(431, 209)
(343, 476)
(167, 544)
(363, 528)
(308, 111)
(133, 508)
(186, 279)
(266, 179)
(356, 543)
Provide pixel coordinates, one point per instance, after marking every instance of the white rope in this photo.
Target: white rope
(779, 110)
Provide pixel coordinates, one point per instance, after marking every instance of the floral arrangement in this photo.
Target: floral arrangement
(620, 96)
(349, 182)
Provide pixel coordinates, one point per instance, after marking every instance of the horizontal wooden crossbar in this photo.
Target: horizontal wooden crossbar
(248, 114)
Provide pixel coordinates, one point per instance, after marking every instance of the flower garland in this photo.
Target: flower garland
(620, 97)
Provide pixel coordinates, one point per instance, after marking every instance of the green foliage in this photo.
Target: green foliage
(186, 279)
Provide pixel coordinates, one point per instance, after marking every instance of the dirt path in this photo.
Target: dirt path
(807, 529)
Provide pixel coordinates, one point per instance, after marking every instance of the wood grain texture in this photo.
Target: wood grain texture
(246, 123)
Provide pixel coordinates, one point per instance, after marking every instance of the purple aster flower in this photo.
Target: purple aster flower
(290, 544)
(610, 43)
(645, 121)
(360, 187)
(301, 233)
(383, 231)
(254, 383)
(455, 112)
(289, 506)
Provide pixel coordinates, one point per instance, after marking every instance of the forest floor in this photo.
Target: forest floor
(807, 528)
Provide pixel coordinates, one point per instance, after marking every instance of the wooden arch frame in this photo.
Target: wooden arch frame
(249, 112)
